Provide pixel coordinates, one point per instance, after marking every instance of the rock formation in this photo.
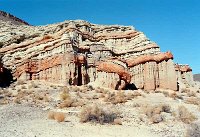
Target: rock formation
(77, 52)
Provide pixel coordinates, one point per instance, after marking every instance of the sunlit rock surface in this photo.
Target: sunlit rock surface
(78, 52)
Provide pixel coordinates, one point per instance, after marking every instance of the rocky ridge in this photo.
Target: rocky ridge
(77, 52)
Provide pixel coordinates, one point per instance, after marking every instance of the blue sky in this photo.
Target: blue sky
(173, 24)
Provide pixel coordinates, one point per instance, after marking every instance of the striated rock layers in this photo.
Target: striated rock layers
(78, 52)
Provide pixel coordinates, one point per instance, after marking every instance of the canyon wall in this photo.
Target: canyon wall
(78, 53)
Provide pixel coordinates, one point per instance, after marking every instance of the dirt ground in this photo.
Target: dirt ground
(24, 108)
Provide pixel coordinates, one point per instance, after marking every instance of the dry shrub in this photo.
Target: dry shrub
(185, 116)
(154, 112)
(51, 115)
(4, 101)
(132, 95)
(71, 103)
(98, 115)
(117, 121)
(58, 116)
(8, 94)
(171, 94)
(115, 98)
(120, 96)
(66, 103)
(21, 94)
(191, 94)
(77, 103)
(193, 100)
(99, 90)
(185, 90)
(17, 100)
(65, 94)
(129, 96)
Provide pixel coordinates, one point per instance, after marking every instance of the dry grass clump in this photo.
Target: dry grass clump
(100, 90)
(154, 112)
(38, 98)
(58, 116)
(185, 116)
(193, 100)
(65, 94)
(71, 103)
(133, 95)
(17, 100)
(115, 98)
(7, 93)
(185, 90)
(171, 94)
(4, 101)
(191, 94)
(51, 115)
(20, 96)
(68, 101)
(119, 96)
(117, 121)
(98, 115)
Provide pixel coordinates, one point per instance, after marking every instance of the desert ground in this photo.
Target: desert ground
(42, 109)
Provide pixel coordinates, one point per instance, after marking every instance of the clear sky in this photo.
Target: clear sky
(173, 24)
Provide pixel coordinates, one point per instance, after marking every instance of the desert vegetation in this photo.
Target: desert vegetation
(58, 116)
(185, 116)
(99, 106)
(99, 115)
(153, 113)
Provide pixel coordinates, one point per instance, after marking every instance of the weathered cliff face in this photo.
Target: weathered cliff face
(153, 71)
(78, 52)
(185, 76)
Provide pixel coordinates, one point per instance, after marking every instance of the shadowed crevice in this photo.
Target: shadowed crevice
(6, 78)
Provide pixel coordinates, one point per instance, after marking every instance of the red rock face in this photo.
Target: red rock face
(77, 53)
(115, 68)
(111, 67)
(183, 68)
(149, 58)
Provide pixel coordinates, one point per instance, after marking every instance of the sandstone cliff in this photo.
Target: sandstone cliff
(77, 52)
